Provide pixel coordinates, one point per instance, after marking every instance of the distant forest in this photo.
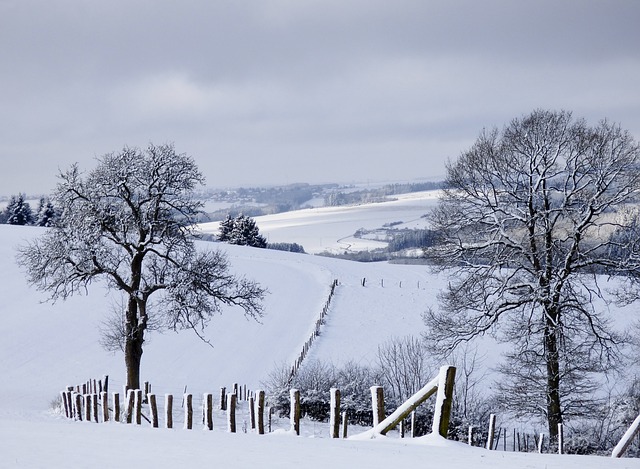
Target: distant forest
(382, 194)
(257, 201)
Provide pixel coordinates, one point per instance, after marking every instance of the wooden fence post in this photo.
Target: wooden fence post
(63, 395)
(294, 411)
(71, 402)
(560, 438)
(116, 406)
(231, 412)
(470, 436)
(105, 387)
(130, 402)
(413, 424)
(69, 391)
(377, 404)
(147, 391)
(334, 415)
(94, 398)
(78, 401)
(223, 398)
(168, 410)
(444, 399)
(540, 442)
(252, 413)
(492, 429)
(104, 397)
(138, 405)
(260, 412)
(208, 411)
(496, 441)
(153, 409)
(188, 412)
(88, 406)
(344, 424)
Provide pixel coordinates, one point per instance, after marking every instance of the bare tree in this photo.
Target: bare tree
(131, 222)
(471, 403)
(527, 222)
(404, 366)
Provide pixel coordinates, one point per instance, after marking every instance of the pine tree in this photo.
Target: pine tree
(19, 211)
(46, 213)
(226, 228)
(241, 230)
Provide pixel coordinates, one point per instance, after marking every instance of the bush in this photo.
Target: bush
(314, 381)
(289, 247)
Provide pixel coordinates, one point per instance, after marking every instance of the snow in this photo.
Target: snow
(45, 347)
(332, 228)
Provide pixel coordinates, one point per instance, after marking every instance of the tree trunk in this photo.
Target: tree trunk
(133, 345)
(552, 356)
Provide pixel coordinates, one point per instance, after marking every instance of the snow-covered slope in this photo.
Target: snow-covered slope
(44, 347)
(243, 350)
(332, 228)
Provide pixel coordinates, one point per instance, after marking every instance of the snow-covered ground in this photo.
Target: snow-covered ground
(332, 228)
(45, 347)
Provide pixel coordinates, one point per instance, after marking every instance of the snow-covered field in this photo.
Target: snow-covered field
(332, 228)
(45, 347)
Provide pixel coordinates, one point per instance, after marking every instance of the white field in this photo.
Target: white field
(332, 228)
(45, 347)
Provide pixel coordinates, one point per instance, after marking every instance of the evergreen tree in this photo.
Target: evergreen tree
(46, 213)
(241, 230)
(226, 227)
(19, 211)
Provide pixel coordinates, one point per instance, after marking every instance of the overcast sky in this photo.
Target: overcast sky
(274, 92)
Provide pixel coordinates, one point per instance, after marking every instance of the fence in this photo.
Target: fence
(526, 442)
(133, 406)
(316, 332)
(91, 402)
(499, 438)
(86, 407)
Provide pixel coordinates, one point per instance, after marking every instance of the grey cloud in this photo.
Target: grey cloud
(276, 91)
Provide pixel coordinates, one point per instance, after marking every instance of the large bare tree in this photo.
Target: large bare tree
(530, 216)
(131, 222)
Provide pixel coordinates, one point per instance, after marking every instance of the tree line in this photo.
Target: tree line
(337, 198)
(19, 212)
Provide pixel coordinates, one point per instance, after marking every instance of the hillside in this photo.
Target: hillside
(45, 347)
(332, 229)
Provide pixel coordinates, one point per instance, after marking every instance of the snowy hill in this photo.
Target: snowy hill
(45, 347)
(332, 229)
